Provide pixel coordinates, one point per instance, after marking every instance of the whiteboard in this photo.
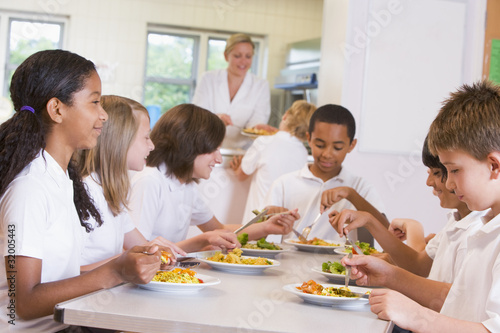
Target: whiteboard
(414, 59)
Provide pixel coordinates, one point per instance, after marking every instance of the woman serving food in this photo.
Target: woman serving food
(239, 98)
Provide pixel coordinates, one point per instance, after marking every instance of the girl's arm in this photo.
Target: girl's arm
(277, 224)
(134, 238)
(35, 299)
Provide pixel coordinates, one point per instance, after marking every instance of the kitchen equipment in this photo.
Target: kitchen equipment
(252, 221)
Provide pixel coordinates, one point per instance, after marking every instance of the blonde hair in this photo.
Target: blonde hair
(108, 159)
(297, 118)
(236, 39)
(469, 121)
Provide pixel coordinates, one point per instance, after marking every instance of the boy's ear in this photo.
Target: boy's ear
(494, 160)
(54, 109)
(352, 145)
(308, 137)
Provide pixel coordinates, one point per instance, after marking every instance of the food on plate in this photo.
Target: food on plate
(243, 238)
(178, 275)
(314, 288)
(365, 247)
(261, 244)
(333, 267)
(255, 131)
(316, 241)
(165, 257)
(234, 257)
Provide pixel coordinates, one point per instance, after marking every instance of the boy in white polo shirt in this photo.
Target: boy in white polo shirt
(326, 183)
(466, 137)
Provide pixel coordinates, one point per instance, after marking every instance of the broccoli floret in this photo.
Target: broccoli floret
(243, 238)
(262, 243)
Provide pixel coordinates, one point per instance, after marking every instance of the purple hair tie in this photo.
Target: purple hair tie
(28, 108)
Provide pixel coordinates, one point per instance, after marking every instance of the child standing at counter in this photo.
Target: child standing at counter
(466, 137)
(44, 207)
(165, 199)
(275, 155)
(326, 182)
(105, 168)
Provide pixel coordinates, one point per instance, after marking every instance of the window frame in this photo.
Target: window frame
(200, 54)
(6, 19)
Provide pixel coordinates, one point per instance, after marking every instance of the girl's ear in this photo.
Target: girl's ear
(54, 109)
(494, 161)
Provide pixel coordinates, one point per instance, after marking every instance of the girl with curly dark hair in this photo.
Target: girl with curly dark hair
(44, 206)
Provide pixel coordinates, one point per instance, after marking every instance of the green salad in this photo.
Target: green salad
(261, 244)
(333, 267)
(365, 247)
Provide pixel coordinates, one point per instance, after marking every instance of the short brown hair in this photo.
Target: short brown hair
(469, 121)
(297, 119)
(180, 135)
(236, 39)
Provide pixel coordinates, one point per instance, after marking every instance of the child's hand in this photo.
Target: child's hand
(369, 270)
(222, 239)
(138, 264)
(281, 224)
(266, 127)
(390, 305)
(177, 251)
(235, 162)
(275, 209)
(225, 118)
(349, 220)
(332, 196)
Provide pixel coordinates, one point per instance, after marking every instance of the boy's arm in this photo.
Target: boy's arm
(412, 231)
(330, 197)
(416, 262)
(368, 270)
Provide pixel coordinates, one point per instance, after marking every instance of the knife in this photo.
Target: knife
(355, 247)
(252, 221)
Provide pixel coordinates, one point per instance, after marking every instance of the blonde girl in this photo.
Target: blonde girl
(272, 156)
(123, 145)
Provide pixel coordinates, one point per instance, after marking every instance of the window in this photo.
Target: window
(175, 58)
(23, 36)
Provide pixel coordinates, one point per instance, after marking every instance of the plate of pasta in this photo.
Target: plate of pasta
(329, 294)
(255, 133)
(234, 262)
(179, 281)
(316, 245)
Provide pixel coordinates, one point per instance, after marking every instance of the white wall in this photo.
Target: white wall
(113, 32)
(400, 177)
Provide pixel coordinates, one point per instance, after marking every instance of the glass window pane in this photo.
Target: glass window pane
(170, 56)
(165, 95)
(216, 54)
(27, 38)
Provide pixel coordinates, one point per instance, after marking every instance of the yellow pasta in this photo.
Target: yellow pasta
(234, 257)
(178, 275)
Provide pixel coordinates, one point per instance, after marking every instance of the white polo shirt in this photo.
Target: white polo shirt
(268, 158)
(301, 189)
(448, 248)
(107, 240)
(475, 293)
(39, 219)
(162, 206)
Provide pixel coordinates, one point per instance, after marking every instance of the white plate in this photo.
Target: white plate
(315, 248)
(329, 300)
(184, 288)
(341, 251)
(263, 252)
(332, 276)
(240, 268)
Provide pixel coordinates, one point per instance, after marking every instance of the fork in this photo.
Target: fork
(301, 238)
(307, 230)
(166, 267)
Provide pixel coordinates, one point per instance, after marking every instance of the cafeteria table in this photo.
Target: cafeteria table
(240, 303)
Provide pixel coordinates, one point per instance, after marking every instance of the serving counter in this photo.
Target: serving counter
(240, 303)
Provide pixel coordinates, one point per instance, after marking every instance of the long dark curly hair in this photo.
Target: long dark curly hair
(42, 76)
